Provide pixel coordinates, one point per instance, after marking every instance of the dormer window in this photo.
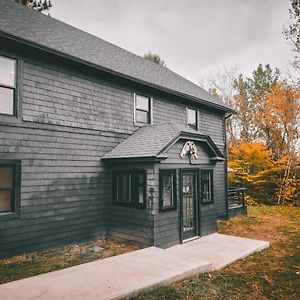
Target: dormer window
(142, 109)
(7, 85)
(192, 118)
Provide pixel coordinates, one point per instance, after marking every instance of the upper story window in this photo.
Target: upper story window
(207, 186)
(129, 188)
(142, 109)
(9, 185)
(192, 118)
(7, 85)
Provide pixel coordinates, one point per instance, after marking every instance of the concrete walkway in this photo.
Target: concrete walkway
(121, 275)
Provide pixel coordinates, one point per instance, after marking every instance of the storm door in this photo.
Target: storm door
(189, 217)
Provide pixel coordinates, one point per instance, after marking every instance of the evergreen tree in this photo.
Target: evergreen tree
(154, 58)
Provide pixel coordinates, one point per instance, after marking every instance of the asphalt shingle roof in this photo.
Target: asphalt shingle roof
(43, 31)
(150, 141)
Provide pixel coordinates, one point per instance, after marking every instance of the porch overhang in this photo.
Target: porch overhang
(151, 143)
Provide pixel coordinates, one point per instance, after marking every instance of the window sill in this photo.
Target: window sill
(8, 216)
(207, 202)
(10, 119)
(138, 124)
(167, 208)
(127, 204)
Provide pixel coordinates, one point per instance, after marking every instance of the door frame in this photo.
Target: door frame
(197, 201)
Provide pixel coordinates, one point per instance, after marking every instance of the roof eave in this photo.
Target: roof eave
(217, 158)
(151, 159)
(115, 73)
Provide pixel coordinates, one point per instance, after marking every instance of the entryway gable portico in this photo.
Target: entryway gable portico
(176, 166)
(152, 142)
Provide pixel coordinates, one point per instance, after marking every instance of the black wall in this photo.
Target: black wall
(69, 116)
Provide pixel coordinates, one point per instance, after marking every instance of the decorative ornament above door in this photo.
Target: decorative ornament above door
(189, 148)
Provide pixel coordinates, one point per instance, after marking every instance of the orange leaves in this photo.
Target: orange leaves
(278, 118)
(255, 169)
(267, 167)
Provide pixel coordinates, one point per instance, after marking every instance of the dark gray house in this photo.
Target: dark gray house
(96, 141)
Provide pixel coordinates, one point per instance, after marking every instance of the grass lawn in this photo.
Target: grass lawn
(272, 274)
(39, 262)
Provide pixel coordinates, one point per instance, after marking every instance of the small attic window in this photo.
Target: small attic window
(192, 117)
(142, 107)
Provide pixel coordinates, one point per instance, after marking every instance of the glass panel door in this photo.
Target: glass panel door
(188, 204)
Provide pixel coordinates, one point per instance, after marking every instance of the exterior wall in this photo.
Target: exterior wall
(166, 223)
(67, 122)
(132, 224)
(58, 98)
(220, 189)
(209, 123)
(174, 155)
(64, 187)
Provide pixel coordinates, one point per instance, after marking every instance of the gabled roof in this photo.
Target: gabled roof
(44, 32)
(151, 142)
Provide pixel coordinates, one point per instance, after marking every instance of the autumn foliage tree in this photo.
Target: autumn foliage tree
(278, 119)
(252, 166)
(263, 152)
(256, 169)
(248, 100)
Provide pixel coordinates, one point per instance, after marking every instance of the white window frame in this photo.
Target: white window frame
(187, 118)
(150, 112)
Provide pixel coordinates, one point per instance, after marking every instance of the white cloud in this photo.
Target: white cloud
(193, 37)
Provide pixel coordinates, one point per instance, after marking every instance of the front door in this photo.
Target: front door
(188, 204)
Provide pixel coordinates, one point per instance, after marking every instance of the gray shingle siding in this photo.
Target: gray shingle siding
(54, 97)
(166, 224)
(59, 194)
(69, 118)
(210, 123)
(66, 189)
(129, 223)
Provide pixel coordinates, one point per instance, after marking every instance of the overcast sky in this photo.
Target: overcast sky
(194, 37)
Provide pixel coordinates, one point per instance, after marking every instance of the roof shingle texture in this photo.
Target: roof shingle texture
(39, 29)
(148, 141)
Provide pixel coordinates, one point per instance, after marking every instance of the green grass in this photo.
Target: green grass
(271, 274)
(39, 262)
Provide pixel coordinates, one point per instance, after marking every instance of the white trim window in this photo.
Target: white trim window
(142, 109)
(7, 85)
(192, 118)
